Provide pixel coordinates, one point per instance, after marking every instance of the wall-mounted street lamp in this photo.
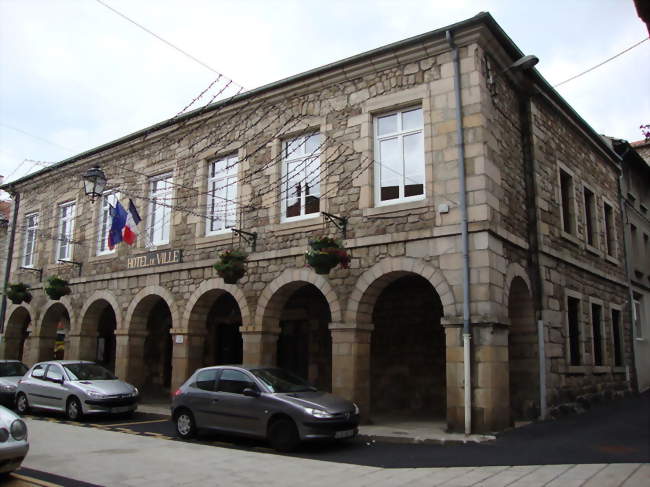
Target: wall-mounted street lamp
(94, 183)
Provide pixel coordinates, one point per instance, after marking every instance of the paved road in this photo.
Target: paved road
(613, 432)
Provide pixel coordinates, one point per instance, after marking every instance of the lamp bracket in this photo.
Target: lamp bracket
(32, 269)
(250, 237)
(71, 262)
(340, 222)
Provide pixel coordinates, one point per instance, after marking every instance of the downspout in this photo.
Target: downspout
(10, 253)
(525, 115)
(464, 235)
(628, 275)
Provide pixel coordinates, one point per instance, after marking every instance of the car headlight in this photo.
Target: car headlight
(135, 391)
(318, 413)
(356, 408)
(7, 388)
(95, 394)
(19, 430)
(4, 435)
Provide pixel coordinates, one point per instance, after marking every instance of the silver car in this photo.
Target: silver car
(74, 387)
(261, 402)
(10, 372)
(13, 440)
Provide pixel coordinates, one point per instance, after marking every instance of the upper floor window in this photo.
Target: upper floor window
(222, 195)
(301, 176)
(636, 315)
(590, 216)
(66, 230)
(567, 201)
(399, 156)
(31, 229)
(108, 199)
(160, 194)
(609, 228)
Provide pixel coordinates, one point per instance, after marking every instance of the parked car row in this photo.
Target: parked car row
(261, 402)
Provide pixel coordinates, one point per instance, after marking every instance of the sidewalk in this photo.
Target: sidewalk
(110, 458)
(396, 431)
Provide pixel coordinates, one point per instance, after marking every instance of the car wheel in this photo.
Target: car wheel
(283, 435)
(185, 425)
(73, 409)
(22, 405)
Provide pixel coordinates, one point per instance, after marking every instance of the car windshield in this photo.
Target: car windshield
(87, 371)
(12, 369)
(278, 380)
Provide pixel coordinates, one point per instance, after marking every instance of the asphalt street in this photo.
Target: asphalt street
(611, 432)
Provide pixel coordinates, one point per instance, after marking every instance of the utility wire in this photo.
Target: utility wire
(184, 53)
(604, 62)
(35, 136)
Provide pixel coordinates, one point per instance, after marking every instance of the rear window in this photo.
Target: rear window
(206, 379)
(12, 369)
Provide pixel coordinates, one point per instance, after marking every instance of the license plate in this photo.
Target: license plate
(344, 434)
(121, 409)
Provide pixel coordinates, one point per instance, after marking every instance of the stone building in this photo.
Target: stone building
(496, 262)
(635, 188)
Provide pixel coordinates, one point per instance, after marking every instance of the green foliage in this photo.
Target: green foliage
(325, 253)
(231, 265)
(56, 288)
(17, 293)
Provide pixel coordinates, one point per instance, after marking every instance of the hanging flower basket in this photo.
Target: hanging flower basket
(231, 265)
(56, 288)
(17, 293)
(325, 253)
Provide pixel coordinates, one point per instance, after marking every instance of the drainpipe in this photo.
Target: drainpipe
(10, 252)
(628, 272)
(525, 115)
(464, 235)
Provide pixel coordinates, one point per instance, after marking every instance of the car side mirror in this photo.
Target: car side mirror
(250, 392)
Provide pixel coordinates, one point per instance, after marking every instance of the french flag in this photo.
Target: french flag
(133, 219)
(118, 220)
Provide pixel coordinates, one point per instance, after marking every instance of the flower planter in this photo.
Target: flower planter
(57, 288)
(325, 254)
(17, 293)
(231, 266)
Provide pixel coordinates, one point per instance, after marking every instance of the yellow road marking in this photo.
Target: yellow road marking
(135, 422)
(34, 480)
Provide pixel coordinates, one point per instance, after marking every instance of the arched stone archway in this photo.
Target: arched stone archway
(368, 340)
(94, 338)
(212, 320)
(292, 326)
(16, 342)
(523, 351)
(144, 342)
(52, 333)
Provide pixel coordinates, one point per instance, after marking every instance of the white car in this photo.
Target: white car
(13, 440)
(75, 387)
(11, 371)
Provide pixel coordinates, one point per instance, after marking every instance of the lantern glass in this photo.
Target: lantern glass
(94, 182)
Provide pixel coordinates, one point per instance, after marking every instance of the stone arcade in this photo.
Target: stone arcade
(376, 137)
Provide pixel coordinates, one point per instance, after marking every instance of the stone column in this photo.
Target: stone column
(81, 347)
(40, 349)
(490, 379)
(351, 364)
(129, 356)
(260, 347)
(187, 355)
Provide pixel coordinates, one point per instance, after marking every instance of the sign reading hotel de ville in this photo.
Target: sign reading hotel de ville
(151, 259)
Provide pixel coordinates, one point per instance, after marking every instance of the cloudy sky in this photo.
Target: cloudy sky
(74, 74)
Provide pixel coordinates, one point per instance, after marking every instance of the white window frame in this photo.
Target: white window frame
(160, 215)
(218, 204)
(637, 315)
(104, 222)
(31, 231)
(66, 230)
(609, 227)
(399, 134)
(590, 210)
(294, 152)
